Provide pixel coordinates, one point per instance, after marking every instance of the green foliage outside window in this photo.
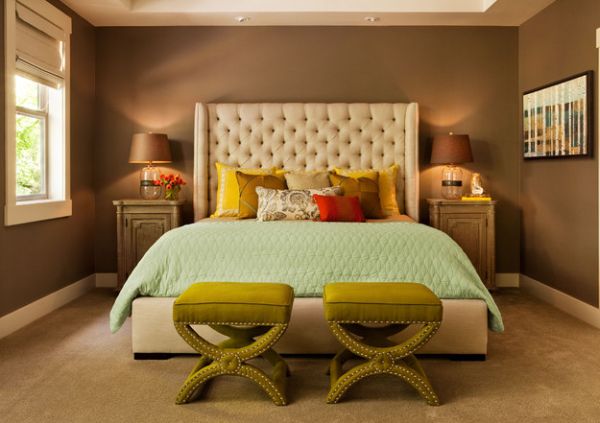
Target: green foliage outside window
(31, 100)
(29, 155)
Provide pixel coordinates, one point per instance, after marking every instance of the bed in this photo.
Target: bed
(307, 136)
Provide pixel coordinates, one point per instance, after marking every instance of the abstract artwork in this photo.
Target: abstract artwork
(557, 119)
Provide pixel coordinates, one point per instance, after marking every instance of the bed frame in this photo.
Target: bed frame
(307, 136)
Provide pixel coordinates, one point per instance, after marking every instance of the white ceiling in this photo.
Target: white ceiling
(306, 12)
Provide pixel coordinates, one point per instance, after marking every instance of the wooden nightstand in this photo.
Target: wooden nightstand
(471, 225)
(139, 224)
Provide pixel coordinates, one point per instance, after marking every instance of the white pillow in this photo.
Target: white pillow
(293, 204)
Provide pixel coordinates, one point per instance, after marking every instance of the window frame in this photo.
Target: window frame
(42, 114)
(57, 201)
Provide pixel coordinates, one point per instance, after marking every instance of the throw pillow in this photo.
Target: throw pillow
(247, 191)
(339, 209)
(367, 191)
(274, 204)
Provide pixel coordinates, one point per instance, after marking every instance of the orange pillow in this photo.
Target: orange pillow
(335, 208)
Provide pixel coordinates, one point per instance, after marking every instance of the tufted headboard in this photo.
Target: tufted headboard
(306, 136)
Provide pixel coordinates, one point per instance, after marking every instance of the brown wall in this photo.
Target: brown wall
(559, 233)
(465, 80)
(39, 258)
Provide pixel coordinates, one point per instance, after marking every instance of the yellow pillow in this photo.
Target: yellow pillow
(247, 190)
(228, 191)
(387, 185)
(367, 191)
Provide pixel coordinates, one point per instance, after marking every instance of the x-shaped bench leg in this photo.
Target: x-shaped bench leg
(382, 357)
(230, 356)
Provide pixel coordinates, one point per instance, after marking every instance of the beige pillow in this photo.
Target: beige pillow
(307, 180)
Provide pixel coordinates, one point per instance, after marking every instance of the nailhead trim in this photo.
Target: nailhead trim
(414, 380)
(221, 359)
(233, 323)
(247, 371)
(376, 356)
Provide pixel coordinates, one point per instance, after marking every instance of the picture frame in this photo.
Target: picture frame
(558, 119)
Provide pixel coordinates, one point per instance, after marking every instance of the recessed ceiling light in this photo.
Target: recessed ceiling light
(242, 19)
(371, 19)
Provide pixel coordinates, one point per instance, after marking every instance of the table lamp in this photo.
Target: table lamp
(149, 148)
(451, 150)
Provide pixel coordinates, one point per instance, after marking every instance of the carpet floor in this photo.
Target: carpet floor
(67, 367)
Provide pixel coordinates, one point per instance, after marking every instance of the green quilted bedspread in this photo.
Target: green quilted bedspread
(305, 255)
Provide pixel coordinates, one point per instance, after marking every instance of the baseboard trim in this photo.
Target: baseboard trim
(562, 301)
(106, 280)
(39, 308)
(14, 321)
(507, 280)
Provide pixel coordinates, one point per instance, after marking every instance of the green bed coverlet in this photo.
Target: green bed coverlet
(305, 255)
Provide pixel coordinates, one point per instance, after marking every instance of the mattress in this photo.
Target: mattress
(305, 255)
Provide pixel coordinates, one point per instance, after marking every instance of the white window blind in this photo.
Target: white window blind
(40, 46)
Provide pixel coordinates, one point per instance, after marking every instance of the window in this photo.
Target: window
(32, 136)
(37, 112)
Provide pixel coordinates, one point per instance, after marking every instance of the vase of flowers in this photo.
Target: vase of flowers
(172, 184)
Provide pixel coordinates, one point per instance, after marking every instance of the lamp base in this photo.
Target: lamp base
(452, 188)
(148, 189)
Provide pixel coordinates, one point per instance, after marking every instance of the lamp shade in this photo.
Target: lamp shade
(451, 149)
(149, 148)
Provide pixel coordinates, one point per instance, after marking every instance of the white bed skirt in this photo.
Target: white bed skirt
(463, 330)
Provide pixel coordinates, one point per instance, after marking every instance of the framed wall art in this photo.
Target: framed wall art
(557, 119)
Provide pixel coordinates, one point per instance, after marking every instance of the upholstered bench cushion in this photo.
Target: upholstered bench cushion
(381, 302)
(234, 303)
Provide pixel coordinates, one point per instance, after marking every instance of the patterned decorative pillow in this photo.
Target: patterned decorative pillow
(293, 204)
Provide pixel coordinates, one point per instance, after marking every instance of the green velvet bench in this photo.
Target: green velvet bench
(363, 315)
(252, 315)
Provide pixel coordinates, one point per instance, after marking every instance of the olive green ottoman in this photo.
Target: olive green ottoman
(252, 315)
(363, 315)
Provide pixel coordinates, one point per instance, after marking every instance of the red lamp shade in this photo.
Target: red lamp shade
(149, 148)
(451, 149)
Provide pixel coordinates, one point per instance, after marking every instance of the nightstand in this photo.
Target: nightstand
(139, 224)
(471, 225)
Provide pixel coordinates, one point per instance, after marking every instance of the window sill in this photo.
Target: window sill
(35, 211)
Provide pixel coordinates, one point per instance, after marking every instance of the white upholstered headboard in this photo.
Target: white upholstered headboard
(306, 136)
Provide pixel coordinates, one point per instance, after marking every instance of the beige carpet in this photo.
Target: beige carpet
(67, 367)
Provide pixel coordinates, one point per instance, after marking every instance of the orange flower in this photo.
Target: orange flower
(169, 186)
